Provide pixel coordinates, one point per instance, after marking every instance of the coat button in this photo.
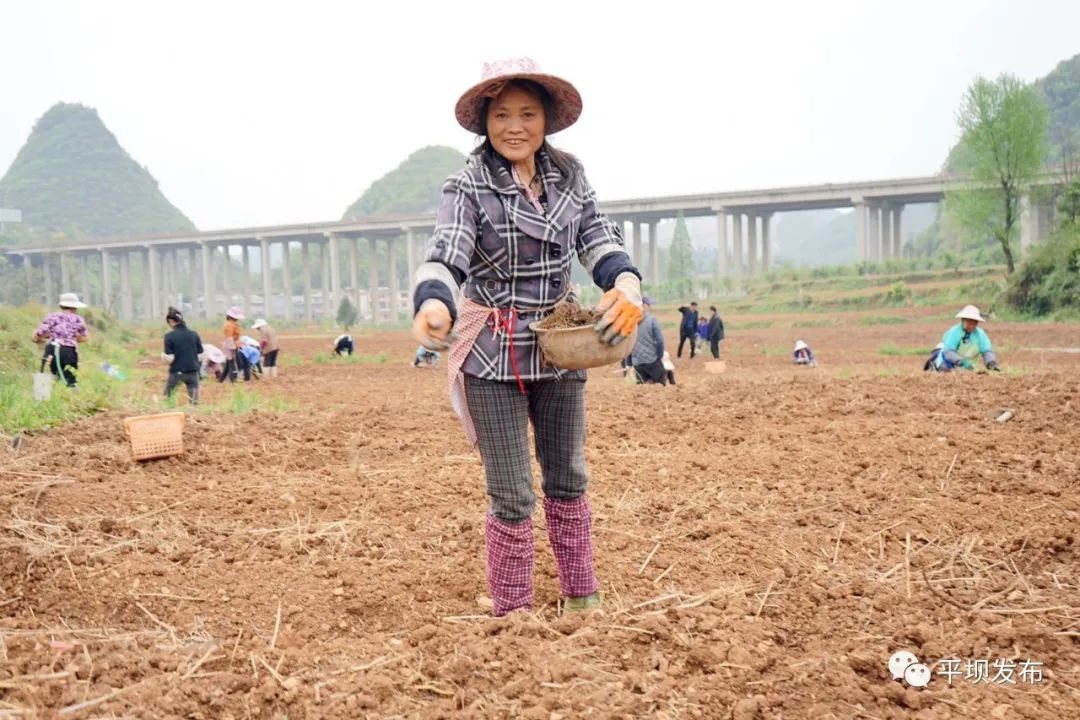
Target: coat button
(556, 251)
(556, 282)
(530, 260)
(440, 244)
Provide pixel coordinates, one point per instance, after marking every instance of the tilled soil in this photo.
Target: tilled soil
(766, 538)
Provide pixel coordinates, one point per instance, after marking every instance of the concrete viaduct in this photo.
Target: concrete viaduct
(743, 225)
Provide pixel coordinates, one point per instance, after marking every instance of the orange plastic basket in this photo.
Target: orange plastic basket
(156, 436)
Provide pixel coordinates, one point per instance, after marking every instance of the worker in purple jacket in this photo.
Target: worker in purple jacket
(64, 331)
(508, 228)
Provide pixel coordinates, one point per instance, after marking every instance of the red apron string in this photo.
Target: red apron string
(503, 319)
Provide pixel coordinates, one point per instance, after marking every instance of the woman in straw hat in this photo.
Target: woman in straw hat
(964, 342)
(499, 259)
(234, 360)
(63, 330)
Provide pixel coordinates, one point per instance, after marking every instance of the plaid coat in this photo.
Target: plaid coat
(514, 257)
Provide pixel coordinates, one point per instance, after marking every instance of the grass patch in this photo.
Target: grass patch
(823, 322)
(752, 325)
(896, 351)
(775, 350)
(881, 320)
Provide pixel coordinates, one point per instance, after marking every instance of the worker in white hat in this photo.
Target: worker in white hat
(64, 331)
(964, 342)
(801, 354)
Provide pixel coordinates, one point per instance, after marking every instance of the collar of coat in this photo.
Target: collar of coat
(562, 205)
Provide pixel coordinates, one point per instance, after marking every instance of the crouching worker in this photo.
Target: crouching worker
(930, 362)
(649, 353)
(425, 357)
(964, 342)
(343, 345)
(183, 351)
(803, 355)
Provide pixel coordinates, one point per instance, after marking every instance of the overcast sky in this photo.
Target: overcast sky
(256, 113)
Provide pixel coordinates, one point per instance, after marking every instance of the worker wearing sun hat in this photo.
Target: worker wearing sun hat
(509, 226)
(234, 361)
(966, 341)
(268, 344)
(801, 354)
(63, 330)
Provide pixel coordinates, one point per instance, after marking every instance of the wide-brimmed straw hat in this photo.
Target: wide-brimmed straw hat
(259, 322)
(235, 313)
(970, 312)
(70, 300)
(565, 99)
(800, 345)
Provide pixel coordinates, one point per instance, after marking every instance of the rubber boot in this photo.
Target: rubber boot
(569, 524)
(509, 564)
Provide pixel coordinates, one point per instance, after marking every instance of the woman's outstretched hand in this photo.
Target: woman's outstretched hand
(432, 324)
(621, 309)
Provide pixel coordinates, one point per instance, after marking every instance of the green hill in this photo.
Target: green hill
(415, 186)
(72, 176)
(1061, 91)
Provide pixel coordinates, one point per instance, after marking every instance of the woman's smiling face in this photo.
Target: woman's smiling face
(515, 123)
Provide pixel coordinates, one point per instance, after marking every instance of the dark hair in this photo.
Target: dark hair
(568, 165)
(174, 315)
(713, 308)
(693, 302)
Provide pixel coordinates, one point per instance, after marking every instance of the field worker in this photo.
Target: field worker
(268, 345)
(343, 345)
(230, 345)
(249, 357)
(688, 329)
(714, 333)
(649, 351)
(63, 330)
(669, 367)
(500, 258)
(932, 360)
(183, 351)
(425, 357)
(803, 355)
(964, 342)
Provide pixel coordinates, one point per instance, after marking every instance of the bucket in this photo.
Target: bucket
(43, 383)
(156, 436)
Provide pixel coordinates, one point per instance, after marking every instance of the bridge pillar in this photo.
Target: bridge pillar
(886, 231)
(736, 243)
(1031, 229)
(245, 279)
(751, 243)
(28, 266)
(106, 280)
(373, 280)
(267, 277)
(152, 275)
(860, 229)
(637, 258)
(897, 238)
(766, 253)
(84, 277)
(127, 305)
(226, 275)
(65, 277)
(305, 261)
(324, 287)
(286, 278)
(875, 233)
(354, 272)
(391, 254)
(410, 252)
(721, 243)
(207, 253)
(654, 252)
